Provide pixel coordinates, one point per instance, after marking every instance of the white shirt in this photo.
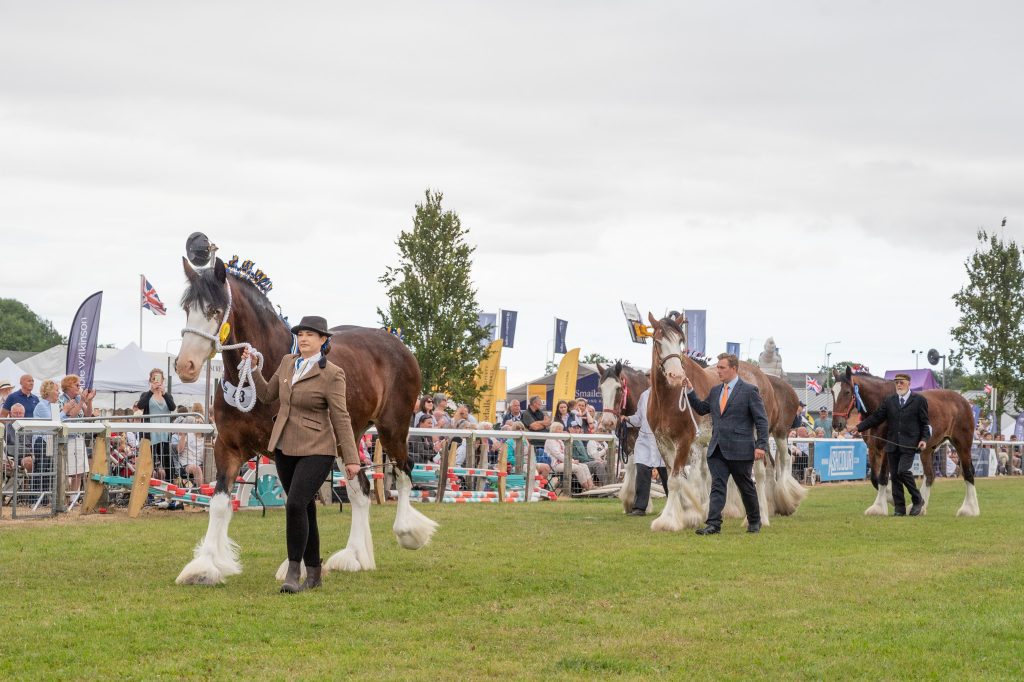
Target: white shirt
(645, 451)
(302, 366)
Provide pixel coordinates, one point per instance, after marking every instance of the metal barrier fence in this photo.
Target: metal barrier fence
(46, 465)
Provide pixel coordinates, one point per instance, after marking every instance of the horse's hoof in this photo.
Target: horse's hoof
(875, 511)
(346, 560)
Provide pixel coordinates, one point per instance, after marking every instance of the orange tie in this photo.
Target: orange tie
(724, 399)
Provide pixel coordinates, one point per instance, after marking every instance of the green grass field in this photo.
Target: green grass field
(551, 590)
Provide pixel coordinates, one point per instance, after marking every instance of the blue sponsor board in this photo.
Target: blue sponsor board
(841, 460)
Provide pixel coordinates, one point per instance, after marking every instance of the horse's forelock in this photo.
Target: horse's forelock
(205, 292)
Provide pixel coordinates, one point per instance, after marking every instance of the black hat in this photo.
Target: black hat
(312, 323)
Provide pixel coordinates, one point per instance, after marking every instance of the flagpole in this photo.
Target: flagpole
(142, 293)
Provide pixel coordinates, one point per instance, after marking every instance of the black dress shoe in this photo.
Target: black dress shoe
(915, 509)
(756, 528)
(708, 530)
(636, 512)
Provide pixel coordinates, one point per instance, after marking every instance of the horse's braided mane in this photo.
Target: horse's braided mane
(206, 291)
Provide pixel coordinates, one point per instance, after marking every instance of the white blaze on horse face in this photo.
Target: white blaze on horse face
(609, 389)
(195, 349)
(838, 386)
(671, 343)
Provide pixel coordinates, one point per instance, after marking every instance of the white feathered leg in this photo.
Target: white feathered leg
(881, 506)
(970, 506)
(788, 491)
(358, 553)
(627, 493)
(216, 557)
(760, 483)
(682, 506)
(926, 494)
(412, 529)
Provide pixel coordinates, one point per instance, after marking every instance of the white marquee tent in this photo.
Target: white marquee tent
(10, 371)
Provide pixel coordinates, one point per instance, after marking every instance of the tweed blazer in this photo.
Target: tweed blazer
(313, 418)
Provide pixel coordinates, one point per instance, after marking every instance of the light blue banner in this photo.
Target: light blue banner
(841, 460)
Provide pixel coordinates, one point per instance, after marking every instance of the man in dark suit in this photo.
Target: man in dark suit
(736, 411)
(906, 413)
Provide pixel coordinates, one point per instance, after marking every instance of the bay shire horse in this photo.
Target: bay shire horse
(675, 431)
(383, 383)
(951, 420)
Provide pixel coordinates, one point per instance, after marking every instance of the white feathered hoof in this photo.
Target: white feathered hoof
(347, 560)
(282, 571)
(875, 510)
(200, 571)
(412, 529)
(666, 524)
(970, 506)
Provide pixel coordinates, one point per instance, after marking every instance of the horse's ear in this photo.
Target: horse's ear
(219, 271)
(681, 318)
(190, 272)
(650, 317)
(618, 367)
(600, 370)
(849, 373)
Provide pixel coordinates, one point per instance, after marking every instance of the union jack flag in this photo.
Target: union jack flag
(813, 384)
(150, 300)
(988, 389)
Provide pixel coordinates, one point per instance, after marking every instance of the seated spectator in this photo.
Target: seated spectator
(460, 450)
(510, 443)
(583, 410)
(24, 397)
(441, 420)
(561, 415)
(555, 449)
(823, 422)
(423, 448)
(952, 463)
(535, 421)
(579, 450)
(598, 449)
(592, 417)
(819, 432)
(462, 414)
(513, 413)
(10, 438)
(190, 448)
(5, 390)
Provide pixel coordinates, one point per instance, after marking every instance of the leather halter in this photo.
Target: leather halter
(622, 405)
(849, 409)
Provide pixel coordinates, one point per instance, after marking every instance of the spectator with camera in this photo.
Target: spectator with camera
(158, 404)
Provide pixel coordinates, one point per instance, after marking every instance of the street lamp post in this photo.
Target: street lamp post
(828, 356)
(917, 358)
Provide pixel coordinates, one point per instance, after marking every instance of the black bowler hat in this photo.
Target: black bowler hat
(312, 323)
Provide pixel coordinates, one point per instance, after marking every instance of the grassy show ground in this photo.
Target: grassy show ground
(549, 590)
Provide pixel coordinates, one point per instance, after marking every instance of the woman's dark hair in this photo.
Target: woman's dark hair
(560, 403)
(423, 404)
(325, 349)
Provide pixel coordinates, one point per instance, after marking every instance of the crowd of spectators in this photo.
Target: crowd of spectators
(586, 462)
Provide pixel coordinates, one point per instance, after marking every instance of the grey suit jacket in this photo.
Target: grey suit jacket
(734, 429)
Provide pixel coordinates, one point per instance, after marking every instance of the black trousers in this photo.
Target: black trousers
(741, 472)
(643, 485)
(301, 477)
(900, 463)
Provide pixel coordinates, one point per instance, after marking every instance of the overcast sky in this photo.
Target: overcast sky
(812, 171)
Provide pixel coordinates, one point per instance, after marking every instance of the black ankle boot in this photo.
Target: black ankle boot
(291, 580)
(313, 576)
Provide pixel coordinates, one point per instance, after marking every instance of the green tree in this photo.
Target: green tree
(22, 329)
(991, 329)
(431, 298)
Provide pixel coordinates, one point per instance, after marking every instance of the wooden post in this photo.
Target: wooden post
(502, 471)
(447, 457)
(378, 460)
(140, 483)
(100, 464)
(531, 473)
(611, 461)
(60, 483)
(567, 474)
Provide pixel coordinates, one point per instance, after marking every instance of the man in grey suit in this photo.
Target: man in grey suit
(736, 411)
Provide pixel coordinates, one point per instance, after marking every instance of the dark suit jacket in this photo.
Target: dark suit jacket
(734, 428)
(313, 418)
(907, 425)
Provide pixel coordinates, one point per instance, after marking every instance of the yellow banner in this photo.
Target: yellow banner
(539, 390)
(565, 380)
(486, 379)
(501, 385)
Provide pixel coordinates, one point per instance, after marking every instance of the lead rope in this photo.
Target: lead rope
(237, 396)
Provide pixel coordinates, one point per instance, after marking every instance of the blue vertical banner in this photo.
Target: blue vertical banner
(82, 340)
(697, 329)
(489, 321)
(508, 328)
(560, 327)
(733, 348)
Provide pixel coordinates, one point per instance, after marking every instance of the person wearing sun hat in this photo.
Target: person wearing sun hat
(312, 428)
(906, 413)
